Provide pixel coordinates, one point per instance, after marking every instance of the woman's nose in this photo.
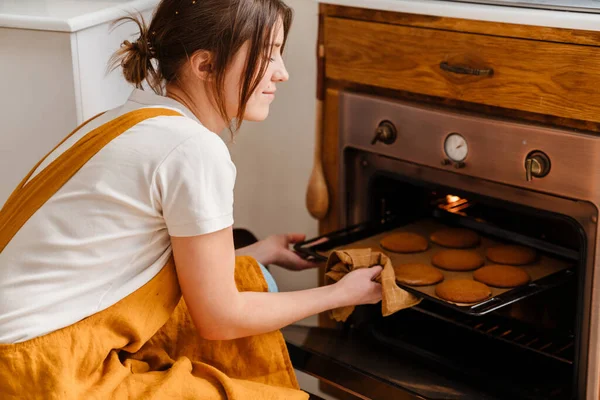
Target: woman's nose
(281, 74)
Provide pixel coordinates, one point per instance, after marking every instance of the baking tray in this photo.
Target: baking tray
(547, 272)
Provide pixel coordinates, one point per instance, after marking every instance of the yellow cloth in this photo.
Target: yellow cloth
(145, 346)
(341, 262)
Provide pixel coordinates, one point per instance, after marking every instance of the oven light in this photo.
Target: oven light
(452, 199)
(455, 204)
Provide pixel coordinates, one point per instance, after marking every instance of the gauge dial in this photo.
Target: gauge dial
(456, 147)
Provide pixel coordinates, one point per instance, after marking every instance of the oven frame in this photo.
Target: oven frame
(371, 159)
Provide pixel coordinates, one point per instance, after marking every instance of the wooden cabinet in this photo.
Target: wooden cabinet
(531, 74)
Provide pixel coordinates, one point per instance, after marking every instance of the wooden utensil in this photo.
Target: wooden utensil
(317, 197)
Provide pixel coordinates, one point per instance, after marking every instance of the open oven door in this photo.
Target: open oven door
(356, 367)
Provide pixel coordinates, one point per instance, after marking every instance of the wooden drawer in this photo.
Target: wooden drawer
(542, 77)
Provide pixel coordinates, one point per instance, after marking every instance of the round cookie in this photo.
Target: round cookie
(456, 238)
(501, 276)
(457, 260)
(511, 254)
(404, 242)
(462, 291)
(417, 274)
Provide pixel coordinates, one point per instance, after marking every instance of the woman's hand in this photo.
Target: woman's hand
(358, 287)
(275, 250)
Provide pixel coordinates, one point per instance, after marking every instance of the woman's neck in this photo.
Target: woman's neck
(200, 105)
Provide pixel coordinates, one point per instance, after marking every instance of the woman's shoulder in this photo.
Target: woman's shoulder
(176, 125)
(180, 130)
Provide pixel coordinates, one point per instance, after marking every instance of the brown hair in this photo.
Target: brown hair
(179, 28)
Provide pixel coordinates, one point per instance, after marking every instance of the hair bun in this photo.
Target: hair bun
(141, 46)
(135, 57)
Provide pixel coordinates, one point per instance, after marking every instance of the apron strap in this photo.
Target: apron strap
(50, 152)
(29, 196)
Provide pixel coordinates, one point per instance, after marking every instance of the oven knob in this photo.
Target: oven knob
(537, 164)
(385, 133)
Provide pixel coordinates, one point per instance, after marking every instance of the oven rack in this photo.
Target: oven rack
(452, 349)
(446, 214)
(311, 249)
(559, 347)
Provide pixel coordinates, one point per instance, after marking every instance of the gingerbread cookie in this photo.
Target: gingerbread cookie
(511, 254)
(502, 276)
(456, 238)
(404, 242)
(417, 274)
(457, 260)
(462, 291)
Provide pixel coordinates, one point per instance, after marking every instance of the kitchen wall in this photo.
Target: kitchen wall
(274, 158)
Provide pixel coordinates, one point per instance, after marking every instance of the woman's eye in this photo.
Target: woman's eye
(271, 59)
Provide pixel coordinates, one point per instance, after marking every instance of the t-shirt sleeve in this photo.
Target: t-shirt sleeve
(195, 185)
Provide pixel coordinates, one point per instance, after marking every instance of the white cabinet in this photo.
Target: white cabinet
(54, 73)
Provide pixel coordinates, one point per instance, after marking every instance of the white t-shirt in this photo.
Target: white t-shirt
(106, 232)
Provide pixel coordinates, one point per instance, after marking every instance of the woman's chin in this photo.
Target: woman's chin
(256, 115)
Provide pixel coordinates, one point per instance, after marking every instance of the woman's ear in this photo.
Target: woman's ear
(201, 63)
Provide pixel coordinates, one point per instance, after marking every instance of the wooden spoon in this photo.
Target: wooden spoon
(317, 197)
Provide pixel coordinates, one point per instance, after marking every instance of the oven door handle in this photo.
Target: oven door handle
(458, 69)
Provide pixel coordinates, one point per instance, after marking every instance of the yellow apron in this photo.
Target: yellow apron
(145, 346)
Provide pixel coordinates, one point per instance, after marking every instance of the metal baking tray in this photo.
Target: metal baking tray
(547, 272)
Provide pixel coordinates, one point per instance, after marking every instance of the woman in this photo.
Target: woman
(89, 291)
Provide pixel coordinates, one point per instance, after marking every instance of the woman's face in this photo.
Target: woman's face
(257, 108)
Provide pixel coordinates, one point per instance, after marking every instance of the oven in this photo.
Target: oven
(412, 166)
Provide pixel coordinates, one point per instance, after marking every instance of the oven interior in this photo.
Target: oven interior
(525, 350)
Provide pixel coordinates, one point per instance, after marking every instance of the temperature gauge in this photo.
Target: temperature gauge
(456, 147)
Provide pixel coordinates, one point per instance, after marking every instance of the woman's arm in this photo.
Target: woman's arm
(205, 269)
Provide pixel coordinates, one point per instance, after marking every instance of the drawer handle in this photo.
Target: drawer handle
(465, 70)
